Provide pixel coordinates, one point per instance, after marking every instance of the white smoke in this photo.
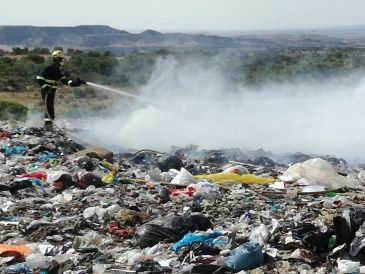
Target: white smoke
(196, 104)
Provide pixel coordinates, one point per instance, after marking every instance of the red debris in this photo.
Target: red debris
(5, 134)
(115, 229)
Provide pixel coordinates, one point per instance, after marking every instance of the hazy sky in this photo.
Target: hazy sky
(185, 15)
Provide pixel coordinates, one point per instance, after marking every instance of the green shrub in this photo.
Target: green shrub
(12, 111)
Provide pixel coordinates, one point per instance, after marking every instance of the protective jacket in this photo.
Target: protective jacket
(48, 82)
(51, 74)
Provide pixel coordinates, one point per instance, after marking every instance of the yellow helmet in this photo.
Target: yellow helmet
(58, 54)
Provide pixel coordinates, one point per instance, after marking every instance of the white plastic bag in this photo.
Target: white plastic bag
(237, 169)
(315, 172)
(206, 190)
(184, 177)
(347, 266)
(260, 235)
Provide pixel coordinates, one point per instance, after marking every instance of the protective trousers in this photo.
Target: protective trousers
(48, 95)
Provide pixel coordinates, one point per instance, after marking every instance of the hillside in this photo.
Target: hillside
(98, 37)
(103, 38)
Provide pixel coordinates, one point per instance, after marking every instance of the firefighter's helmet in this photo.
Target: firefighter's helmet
(58, 54)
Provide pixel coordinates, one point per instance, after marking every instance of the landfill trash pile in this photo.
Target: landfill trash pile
(65, 208)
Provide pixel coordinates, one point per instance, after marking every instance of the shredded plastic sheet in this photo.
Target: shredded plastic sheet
(226, 178)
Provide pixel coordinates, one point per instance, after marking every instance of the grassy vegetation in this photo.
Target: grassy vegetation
(132, 70)
(12, 111)
(18, 69)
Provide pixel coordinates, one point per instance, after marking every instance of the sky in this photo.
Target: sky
(185, 15)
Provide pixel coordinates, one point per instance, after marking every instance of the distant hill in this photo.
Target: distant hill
(99, 37)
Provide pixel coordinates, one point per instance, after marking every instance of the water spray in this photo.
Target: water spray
(120, 92)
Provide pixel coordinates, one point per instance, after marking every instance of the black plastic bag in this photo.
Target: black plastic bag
(170, 229)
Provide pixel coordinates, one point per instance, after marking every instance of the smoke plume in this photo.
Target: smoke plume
(192, 103)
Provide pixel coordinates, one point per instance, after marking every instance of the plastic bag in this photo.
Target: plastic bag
(189, 191)
(260, 235)
(17, 268)
(224, 178)
(130, 257)
(108, 178)
(315, 172)
(184, 177)
(148, 266)
(151, 234)
(90, 240)
(206, 190)
(55, 175)
(42, 175)
(237, 169)
(347, 266)
(246, 256)
(46, 156)
(170, 229)
(6, 149)
(86, 179)
(193, 238)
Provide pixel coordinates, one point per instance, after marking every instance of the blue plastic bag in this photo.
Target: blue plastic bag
(246, 256)
(20, 268)
(13, 150)
(46, 157)
(192, 238)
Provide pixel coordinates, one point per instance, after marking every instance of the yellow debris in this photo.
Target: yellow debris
(226, 178)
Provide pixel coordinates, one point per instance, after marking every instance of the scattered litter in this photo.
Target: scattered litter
(69, 209)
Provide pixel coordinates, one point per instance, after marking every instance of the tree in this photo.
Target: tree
(20, 51)
(35, 58)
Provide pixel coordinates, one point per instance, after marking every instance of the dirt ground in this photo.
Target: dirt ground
(26, 98)
(66, 103)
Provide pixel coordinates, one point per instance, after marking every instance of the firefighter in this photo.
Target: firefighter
(48, 82)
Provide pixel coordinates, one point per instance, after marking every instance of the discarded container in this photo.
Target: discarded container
(108, 166)
(14, 250)
(244, 257)
(332, 242)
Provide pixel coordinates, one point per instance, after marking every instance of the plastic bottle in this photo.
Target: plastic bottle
(332, 242)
